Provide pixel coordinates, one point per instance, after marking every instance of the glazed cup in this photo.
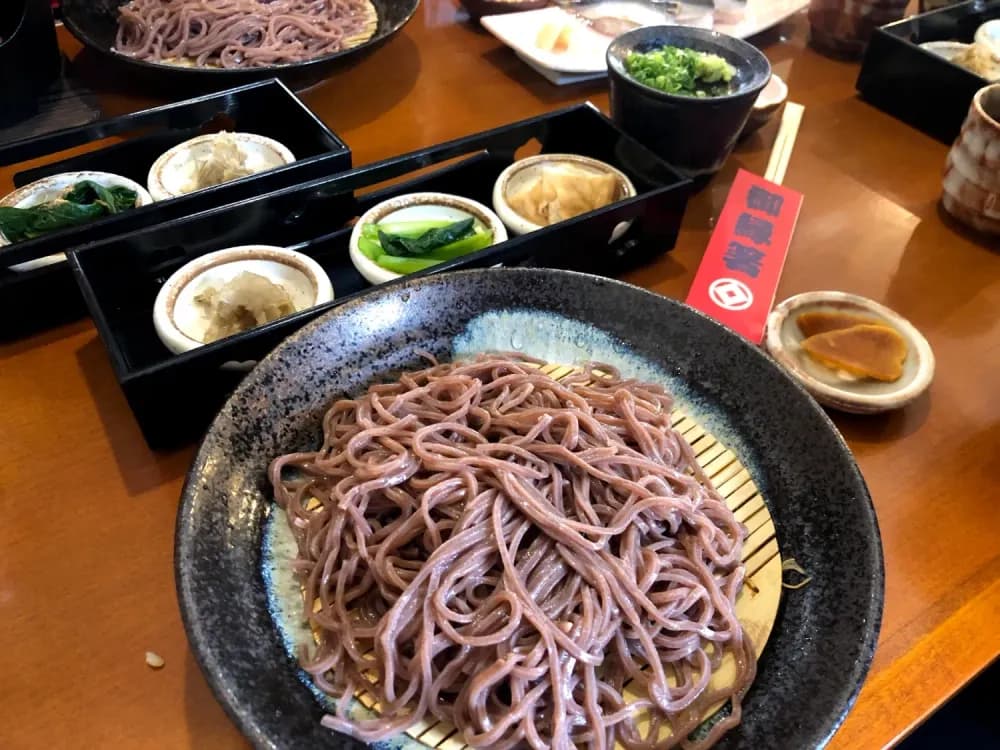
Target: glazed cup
(971, 185)
(843, 27)
(693, 135)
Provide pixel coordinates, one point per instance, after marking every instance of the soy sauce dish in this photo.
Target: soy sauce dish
(693, 127)
(414, 232)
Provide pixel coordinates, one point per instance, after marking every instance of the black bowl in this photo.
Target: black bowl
(95, 24)
(693, 135)
(824, 634)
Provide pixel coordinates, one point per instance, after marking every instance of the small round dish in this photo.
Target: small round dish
(418, 207)
(181, 323)
(769, 101)
(945, 49)
(517, 174)
(49, 188)
(171, 172)
(842, 391)
(988, 35)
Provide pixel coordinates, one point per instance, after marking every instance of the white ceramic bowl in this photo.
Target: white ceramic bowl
(171, 172)
(988, 35)
(783, 339)
(514, 176)
(181, 323)
(48, 188)
(419, 207)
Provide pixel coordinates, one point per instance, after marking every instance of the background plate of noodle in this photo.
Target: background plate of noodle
(236, 608)
(235, 40)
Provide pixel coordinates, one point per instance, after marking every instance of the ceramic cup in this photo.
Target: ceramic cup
(843, 27)
(971, 186)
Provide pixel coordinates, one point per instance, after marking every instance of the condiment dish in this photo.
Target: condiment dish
(769, 101)
(418, 207)
(693, 134)
(837, 389)
(49, 188)
(521, 172)
(181, 323)
(988, 35)
(172, 172)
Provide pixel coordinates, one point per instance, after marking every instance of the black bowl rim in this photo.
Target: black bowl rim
(262, 71)
(200, 640)
(616, 65)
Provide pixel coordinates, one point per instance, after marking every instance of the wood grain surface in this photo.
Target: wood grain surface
(86, 541)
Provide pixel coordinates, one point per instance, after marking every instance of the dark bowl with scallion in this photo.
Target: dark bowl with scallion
(685, 93)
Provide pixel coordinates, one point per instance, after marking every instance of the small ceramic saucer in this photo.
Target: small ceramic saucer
(171, 172)
(418, 207)
(181, 323)
(517, 174)
(841, 390)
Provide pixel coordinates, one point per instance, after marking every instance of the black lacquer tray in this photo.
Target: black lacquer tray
(128, 146)
(174, 396)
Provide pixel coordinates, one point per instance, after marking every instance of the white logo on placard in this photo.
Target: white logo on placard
(730, 294)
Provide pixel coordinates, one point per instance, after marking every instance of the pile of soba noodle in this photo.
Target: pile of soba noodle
(506, 552)
(241, 33)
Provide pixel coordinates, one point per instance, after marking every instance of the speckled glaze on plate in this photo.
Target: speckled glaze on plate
(825, 633)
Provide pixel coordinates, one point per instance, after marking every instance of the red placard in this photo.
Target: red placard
(738, 276)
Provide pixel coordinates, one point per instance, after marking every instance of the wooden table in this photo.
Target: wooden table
(86, 545)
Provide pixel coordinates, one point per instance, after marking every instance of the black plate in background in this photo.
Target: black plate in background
(824, 635)
(95, 24)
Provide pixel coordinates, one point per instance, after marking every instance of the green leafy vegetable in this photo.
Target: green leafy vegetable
(405, 265)
(403, 228)
(432, 239)
(410, 246)
(82, 203)
(676, 70)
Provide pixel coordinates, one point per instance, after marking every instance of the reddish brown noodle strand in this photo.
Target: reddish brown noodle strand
(240, 33)
(504, 552)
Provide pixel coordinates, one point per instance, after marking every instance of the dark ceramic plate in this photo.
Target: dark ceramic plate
(95, 23)
(822, 643)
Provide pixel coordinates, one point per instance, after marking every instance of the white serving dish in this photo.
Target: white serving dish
(514, 176)
(418, 207)
(49, 188)
(170, 173)
(587, 49)
(181, 323)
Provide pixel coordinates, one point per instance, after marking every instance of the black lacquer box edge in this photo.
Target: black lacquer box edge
(916, 86)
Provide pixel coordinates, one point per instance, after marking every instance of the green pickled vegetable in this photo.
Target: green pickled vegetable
(404, 228)
(82, 203)
(405, 265)
(476, 241)
(369, 248)
(410, 246)
(432, 239)
(676, 70)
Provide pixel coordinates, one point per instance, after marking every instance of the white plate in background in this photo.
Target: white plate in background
(585, 58)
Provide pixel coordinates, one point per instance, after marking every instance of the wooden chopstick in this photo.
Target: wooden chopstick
(781, 151)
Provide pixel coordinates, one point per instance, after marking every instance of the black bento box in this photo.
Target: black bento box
(917, 86)
(175, 396)
(39, 298)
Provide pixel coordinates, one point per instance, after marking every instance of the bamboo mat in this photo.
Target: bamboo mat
(757, 603)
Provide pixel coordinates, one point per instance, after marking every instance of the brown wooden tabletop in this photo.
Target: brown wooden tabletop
(86, 542)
